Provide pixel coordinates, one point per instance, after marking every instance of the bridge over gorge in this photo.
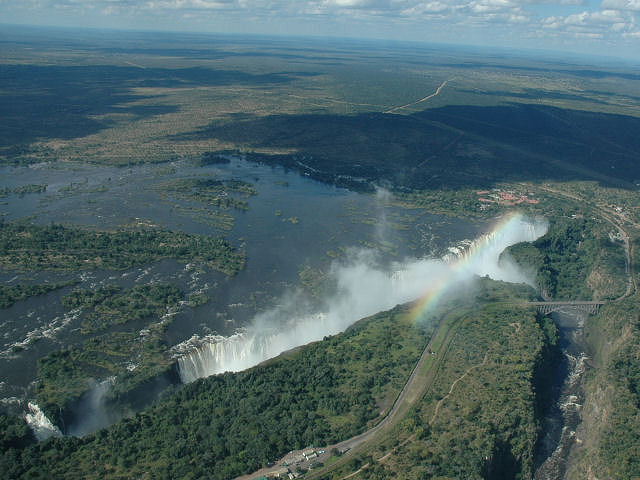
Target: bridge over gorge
(548, 307)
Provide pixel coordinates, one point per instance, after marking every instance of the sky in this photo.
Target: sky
(601, 27)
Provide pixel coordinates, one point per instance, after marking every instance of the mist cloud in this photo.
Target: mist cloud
(363, 288)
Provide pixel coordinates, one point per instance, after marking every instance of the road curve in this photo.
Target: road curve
(357, 440)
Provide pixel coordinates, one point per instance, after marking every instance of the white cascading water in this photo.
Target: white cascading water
(483, 255)
(363, 289)
(39, 423)
(215, 354)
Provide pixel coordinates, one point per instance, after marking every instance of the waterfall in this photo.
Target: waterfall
(40, 424)
(363, 288)
(213, 354)
(216, 354)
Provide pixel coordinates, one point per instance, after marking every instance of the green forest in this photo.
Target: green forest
(230, 424)
(56, 247)
(110, 305)
(568, 254)
(468, 425)
(10, 294)
(64, 375)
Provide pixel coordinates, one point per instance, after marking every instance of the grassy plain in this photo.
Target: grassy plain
(498, 118)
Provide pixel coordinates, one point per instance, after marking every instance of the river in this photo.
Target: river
(561, 421)
(291, 223)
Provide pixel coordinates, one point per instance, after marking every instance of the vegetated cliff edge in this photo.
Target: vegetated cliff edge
(327, 391)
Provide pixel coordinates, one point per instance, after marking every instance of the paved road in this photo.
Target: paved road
(410, 393)
(413, 390)
(407, 395)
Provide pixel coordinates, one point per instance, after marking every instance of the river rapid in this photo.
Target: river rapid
(292, 223)
(560, 423)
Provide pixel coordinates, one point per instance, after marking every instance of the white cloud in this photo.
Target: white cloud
(609, 25)
(518, 18)
(632, 5)
(492, 5)
(188, 4)
(346, 3)
(590, 35)
(604, 18)
(484, 21)
(425, 8)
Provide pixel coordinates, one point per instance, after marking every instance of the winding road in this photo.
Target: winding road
(413, 390)
(611, 217)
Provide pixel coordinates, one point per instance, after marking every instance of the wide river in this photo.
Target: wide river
(292, 223)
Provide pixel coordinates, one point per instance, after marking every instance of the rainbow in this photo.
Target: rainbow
(507, 231)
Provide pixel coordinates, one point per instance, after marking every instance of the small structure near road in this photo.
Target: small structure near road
(309, 454)
(508, 198)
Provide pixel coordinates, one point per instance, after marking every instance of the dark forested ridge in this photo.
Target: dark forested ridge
(449, 147)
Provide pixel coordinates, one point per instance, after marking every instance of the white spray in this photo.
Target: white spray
(363, 288)
(40, 425)
(91, 413)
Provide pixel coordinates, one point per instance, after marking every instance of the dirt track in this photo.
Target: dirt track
(428, 97)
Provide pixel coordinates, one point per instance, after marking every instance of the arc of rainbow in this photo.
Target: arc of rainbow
(457, 268)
